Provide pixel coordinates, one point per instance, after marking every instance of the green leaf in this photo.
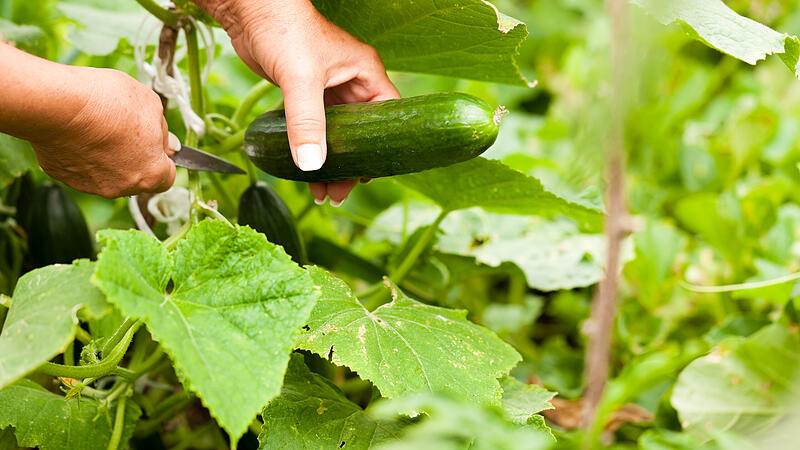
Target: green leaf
(522, 401)
(744, 385)
(714, 23)
(458, 38)
(29, 38)
(312, 413)
(48, 421)
(44, 316)
(99, 31)
(225, 305)
(406, 346)
(496, 187)
(16, 157)
(452, 424)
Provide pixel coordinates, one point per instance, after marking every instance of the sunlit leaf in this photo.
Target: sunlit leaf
(458, 38)
(714, 23)
(44, 316)
(226, 306)
(496, 187)
(406, 346)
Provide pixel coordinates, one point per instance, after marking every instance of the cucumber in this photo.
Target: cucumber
(264, 211)
(380, 139)
(57, 231)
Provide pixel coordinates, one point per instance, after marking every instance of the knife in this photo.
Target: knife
(192, 158)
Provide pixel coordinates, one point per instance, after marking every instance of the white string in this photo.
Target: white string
(138, 217)
(172, 208)
(155, 75)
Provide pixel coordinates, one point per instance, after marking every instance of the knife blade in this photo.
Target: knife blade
(192, 158)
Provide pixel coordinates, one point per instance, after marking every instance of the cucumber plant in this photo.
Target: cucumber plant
(442, 305)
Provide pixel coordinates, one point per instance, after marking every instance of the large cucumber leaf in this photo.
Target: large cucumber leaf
(748, 386)
(496, 187)
(720, 27)
(44, 315)
(99, 31)
(48, 421)
(406, 346)
(458, 38)
(311, 412)
(225, 305)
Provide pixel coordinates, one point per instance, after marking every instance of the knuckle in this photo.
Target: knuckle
(306, 123)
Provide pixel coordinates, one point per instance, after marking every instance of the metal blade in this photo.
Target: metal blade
(192, 158)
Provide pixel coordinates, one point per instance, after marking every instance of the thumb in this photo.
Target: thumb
(305, 122)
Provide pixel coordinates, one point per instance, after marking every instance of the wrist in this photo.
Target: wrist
(46, 95)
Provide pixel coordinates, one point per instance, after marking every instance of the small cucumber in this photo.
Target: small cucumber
(264, 211)
(380, 139)
(57, 231)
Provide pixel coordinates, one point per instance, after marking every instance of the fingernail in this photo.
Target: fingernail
(366, 180)
(336, 204)
(309, 157)
(320, 202)
(173, 142)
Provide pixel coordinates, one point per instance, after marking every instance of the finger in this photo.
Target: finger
(173, 144)
(305, 121)
(167, 175)
(319, 191)
(366, 180)
(383, 87)
(339, 191)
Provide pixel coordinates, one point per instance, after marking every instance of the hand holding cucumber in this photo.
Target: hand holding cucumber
(101, 132)
(314, 62)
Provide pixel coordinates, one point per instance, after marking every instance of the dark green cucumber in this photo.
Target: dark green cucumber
(380, 139)
(264, 211)
(57, 231)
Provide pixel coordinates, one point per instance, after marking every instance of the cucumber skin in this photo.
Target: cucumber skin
(263, 210)
(379, 139)
(57, 230)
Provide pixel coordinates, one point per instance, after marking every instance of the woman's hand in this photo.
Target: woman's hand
(314, 62)
(116, 145)
(96, 130)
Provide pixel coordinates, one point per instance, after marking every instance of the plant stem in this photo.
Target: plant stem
(105, 367)
(172, 241)
(196, 88)
(599, 329)
(117, 336)
(69, 354)
(172, 404)
(408, 262)
(231, 143)
(82, 335)
(168, 17)
(193, 60)
(256, 93)
(119, 424)
(306, 209)
(225, 197)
